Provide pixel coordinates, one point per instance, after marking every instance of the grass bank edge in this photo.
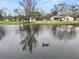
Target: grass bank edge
(41, 23)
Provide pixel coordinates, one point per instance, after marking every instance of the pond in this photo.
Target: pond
(39, 42)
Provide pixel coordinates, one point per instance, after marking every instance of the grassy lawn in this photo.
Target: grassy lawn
(41, 23)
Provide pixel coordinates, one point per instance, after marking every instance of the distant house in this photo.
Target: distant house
(62, 18)
(56, 18)
(7, 20)
(67, 18)
(32, 19)
(46, 19)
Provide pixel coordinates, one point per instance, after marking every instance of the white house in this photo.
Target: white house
(7, 20)
(32, 19)
(67, 18)
(62, 18)
(56, 18)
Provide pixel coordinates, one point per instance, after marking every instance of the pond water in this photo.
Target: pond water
(39, 42)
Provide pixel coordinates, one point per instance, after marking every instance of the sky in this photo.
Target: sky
(46, 5)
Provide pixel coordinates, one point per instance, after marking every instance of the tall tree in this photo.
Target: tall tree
(54, 11)
(18, 11)
(28, 6)
(62, 9)
(74, 11)
(59, 9)
(19, 14)
(1, 14)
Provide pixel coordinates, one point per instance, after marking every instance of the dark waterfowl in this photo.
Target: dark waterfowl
(45, 44)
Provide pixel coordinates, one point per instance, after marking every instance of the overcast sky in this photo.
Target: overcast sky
(42, 4)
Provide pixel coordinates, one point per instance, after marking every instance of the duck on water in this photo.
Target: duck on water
(45, 44)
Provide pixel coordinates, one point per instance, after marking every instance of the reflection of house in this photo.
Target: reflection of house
(62, 18)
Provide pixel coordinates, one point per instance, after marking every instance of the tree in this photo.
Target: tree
(74, 11)
(28, 6)
(19, 14)
(1, 14)
(62, 9)
(54, 11)
(59, 9)
(35, 14)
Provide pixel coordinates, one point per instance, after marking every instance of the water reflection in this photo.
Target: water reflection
(28, 35)
(64, 33)
(2, 32)
(38, 43)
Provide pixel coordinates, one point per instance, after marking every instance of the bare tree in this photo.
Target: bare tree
(59, 9)
(62, 9)
(1, 14)
(74, 11)
(18, 11)
(19, 14)
(28, 6)
(54, 11)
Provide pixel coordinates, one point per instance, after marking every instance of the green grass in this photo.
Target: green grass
(41, 23)
(58, 22)
(8, 23)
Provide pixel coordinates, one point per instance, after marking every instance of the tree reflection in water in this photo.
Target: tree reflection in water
(65, 33)
(28, 35)
(2, 32)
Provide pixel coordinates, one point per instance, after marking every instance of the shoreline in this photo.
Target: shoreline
(40, 23)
